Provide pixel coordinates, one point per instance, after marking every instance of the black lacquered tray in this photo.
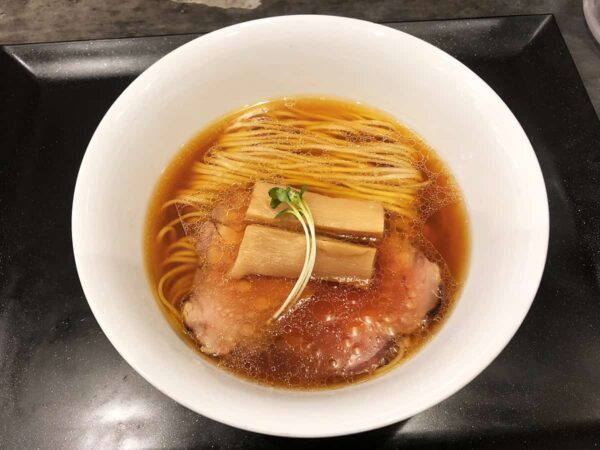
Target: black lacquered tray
(62, 385)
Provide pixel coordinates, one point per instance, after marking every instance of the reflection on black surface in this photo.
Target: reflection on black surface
(64, 386)
(93, 60)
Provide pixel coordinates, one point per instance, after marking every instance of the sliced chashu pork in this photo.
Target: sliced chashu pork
(358, 338)
(223, 313)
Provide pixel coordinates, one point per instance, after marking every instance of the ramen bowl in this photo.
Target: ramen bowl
(459, 115)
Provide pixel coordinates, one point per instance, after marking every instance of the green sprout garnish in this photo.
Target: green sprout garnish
(297, 207)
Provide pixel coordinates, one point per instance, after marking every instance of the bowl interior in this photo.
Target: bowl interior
(445, 103)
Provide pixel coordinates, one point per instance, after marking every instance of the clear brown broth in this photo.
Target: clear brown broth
(443, 236)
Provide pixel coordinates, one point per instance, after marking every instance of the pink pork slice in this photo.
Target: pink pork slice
(220, 316)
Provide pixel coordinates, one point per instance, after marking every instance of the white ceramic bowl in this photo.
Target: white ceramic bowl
(442, 100)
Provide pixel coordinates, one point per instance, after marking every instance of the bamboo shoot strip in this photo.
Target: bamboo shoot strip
(343, 216)
(280, 253)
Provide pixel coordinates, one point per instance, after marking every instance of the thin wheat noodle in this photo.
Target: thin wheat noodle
(348, 155)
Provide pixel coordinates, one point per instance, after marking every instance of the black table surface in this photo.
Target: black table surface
(63, 385)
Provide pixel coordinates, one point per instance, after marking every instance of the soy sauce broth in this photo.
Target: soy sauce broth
(443, 236)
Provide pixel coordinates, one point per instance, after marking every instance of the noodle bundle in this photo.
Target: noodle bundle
(346, 153)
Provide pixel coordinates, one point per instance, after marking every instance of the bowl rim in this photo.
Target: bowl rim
(367, 424)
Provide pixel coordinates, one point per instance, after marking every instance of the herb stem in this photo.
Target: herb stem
(297, 207)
